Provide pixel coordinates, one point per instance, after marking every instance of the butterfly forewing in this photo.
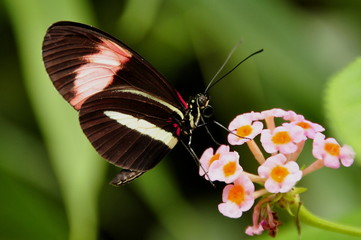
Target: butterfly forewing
(82, 61)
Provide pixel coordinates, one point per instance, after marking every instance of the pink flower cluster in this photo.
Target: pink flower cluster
(278, 173)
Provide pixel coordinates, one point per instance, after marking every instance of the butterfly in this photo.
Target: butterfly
(129, 112)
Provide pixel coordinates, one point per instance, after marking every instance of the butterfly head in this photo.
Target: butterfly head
(205, 109)
(198, 108)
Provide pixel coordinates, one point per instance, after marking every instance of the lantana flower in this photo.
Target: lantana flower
(209, 156)
(243, 128)
(331, 152)
(226, 169)
(264, 218)
(237, 197)
(310, 128)
(275, 112)
(254, 230)
(223, 165)
(280, 175)
(282, 139)
(292, 116)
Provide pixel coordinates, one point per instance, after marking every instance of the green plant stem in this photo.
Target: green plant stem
(313, 220)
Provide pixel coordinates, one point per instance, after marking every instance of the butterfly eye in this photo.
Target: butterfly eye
(202, 100)
(207, 112)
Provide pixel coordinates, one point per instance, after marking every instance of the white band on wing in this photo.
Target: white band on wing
(144, 127)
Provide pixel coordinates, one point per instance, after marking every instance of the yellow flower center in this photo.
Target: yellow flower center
(332, 148)
(281, 138)
(229, 169)
(244, 131)
(304, 125)
(214, 158)
(279, 173)
(236, 194)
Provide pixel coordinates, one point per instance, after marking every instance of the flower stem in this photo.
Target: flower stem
(256, 151)
(270, 122)
(260, 193)
(255, 178)
(295, 155)
(313, 167)
(310, 219)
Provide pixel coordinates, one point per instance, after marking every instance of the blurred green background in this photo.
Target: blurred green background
(54, 186)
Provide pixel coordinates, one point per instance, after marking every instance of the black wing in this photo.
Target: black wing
(82, 61)
(128, 128)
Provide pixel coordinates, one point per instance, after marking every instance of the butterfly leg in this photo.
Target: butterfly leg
(194, 156)
(204, 124)
(190, 149)
(210, 134)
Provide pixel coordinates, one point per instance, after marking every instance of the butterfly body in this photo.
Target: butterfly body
(129, 112)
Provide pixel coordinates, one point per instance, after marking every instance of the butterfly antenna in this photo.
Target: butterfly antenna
(212, 83)
(223, 65)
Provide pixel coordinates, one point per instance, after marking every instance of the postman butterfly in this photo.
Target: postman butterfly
(129, 112)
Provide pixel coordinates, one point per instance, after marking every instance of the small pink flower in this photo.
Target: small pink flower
(282, 139)
(275, 112)
(226, 169)
(254, 230)
(208, 157)
(280, 175)
(347, 155)
(254, 116)
(292, 116)
(244, 129)
(237, 198)
(331, 152)
(310, 128)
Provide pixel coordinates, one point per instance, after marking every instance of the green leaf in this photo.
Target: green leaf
(343, 105)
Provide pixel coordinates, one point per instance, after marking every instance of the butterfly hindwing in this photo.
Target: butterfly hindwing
(128, 128)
